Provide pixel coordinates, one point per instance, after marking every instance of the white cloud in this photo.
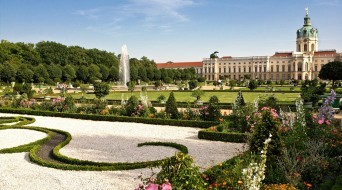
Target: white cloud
(151, 14)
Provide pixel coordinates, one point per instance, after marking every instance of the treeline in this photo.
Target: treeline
(51, 62)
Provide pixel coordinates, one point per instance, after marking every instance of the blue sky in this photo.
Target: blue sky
(172, 30)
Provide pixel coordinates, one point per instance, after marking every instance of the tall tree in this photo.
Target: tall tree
(331, 71)
(52, 52)
(8, 72)
(157, 74)
(69, 73)
(94, 72)
(142, 74)
(150, 73)
(134, 74)
(40, 73)
(55, 72)
(83, 73)
(24, 74)
(113, 73)
(104, 72)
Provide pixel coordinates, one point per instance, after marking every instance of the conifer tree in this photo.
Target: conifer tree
(171, 107)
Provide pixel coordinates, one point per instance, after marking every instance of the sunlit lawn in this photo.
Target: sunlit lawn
(224, 97)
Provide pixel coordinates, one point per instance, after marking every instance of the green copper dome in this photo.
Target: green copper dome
(307, 31)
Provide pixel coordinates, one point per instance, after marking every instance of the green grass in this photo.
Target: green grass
(224, 96)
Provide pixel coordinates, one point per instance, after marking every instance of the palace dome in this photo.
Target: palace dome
(307, 31)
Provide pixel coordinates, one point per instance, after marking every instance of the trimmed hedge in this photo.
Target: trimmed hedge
(180, 147)
(158, 121)
(66, 163)
(225, 137)
(29, 146)
(8, 119)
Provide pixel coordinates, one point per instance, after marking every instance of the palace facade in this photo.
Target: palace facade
(304, 63)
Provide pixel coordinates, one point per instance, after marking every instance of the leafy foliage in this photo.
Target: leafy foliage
(181, 173)
(331, 71)
(101, 89)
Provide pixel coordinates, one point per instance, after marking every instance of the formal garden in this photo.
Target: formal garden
(67, 119)
(290, 145)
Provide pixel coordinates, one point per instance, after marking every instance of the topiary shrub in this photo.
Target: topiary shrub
(171, 107)
(240, 101)
(252, 85)
(131, 105)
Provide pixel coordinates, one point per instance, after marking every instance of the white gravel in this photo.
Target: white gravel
(106, 142)
(15, 137)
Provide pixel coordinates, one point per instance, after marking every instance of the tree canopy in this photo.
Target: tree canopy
(331, 71)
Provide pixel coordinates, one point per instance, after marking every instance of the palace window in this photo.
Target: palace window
(316, 67)
(219, 70)
(305, 47)
(283, 69)
(272, 68)
(264, 68)
(277, 68)
(244, 69)
(289, 68)
(234, 69)
(256, 69)
(260, 69)
(239, 69)
(300, 66)
(224, 70)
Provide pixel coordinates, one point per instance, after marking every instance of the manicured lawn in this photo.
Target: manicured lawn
(224, 97)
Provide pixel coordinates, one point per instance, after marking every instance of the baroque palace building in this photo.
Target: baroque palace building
(304, 63)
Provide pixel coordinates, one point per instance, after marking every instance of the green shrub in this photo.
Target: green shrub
(252, 85)
(131, 105)
(267, 124)
(181, 173)
(95, 117)
(171, 107)
(211, 112)
(225, 137)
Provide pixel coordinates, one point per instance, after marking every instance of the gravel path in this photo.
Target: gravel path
(106, 142)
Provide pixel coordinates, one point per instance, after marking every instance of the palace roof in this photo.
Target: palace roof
(179, 65)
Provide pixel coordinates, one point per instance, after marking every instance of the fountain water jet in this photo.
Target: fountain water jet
(124, 66)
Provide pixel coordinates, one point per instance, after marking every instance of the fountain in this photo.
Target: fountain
(124, 66)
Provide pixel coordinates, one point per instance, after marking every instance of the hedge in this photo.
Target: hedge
(66, 163)
(225, 137)
(180, 147)
(95, 117)
(8, 119)
(29, 146)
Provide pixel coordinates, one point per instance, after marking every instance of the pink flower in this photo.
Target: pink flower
(166, 185)
(248, 117)
(321, 121)
(314, 116)
(152, 186)
(327, 122)
(264, 108)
